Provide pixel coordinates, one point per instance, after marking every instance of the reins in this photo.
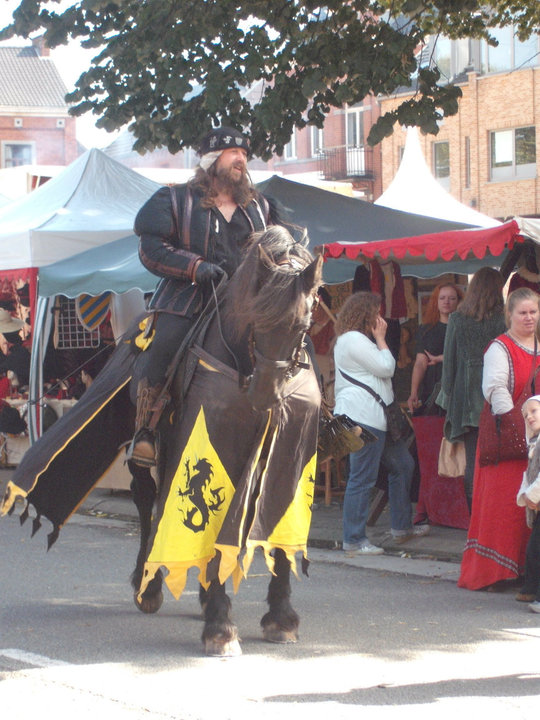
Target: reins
(257, 358)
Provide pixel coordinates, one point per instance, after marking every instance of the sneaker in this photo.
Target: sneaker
(365, 549)
(535, 606)
(416, 531)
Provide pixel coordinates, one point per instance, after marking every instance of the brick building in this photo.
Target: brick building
(338, 152)
(35, 127)
(487, 155)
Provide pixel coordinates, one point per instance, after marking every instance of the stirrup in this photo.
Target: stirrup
(142, 450)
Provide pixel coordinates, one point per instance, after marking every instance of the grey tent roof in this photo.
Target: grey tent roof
(114, 266)
(90, 203)
(328, 216)
(331, 217)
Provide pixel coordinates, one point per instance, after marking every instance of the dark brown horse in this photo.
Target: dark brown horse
(237, 446)
(253, 385)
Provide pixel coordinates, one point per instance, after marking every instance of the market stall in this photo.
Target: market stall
(439, 254)
(90, 203)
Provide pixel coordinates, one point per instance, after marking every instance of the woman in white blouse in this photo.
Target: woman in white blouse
(362, 353)
(498, 534)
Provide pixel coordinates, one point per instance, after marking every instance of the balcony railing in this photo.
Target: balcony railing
(346, 161)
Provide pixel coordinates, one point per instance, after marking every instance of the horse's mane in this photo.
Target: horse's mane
(267, 287)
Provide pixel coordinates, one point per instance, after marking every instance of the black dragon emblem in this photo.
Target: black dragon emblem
(196, 485)
(310, 491)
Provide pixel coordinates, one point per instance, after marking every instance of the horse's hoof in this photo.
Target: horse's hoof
(217, 647)
(149, 604)
(275, 634)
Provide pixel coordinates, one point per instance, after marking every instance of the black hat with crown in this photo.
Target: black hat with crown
(223, 138)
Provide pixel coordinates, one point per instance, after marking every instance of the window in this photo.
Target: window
(441, 163)
(442, 57)
(289, 151)
(510, 53)
(354, 138)
(355, 127)
(451, 57)
(317, 142)
(513, 154)
(15, 154)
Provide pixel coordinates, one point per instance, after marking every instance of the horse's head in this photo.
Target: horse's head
(278, 282)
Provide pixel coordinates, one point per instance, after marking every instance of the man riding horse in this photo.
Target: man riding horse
(190, 235)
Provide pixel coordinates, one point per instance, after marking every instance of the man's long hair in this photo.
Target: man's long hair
(204, 182)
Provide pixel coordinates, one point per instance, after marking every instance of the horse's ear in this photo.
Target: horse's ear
(265, 258)
(312, 274)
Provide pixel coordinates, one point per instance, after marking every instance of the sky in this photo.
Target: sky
(71, 60)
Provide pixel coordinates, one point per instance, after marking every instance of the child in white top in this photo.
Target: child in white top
(529, 497)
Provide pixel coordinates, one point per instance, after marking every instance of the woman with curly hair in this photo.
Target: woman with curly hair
(361, 352)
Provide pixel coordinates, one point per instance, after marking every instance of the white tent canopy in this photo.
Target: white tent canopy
(529, 227)
(415, 190)
(92, 202)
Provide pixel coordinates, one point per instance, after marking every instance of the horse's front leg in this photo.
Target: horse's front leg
(143, 489)
(220, 634)
(280, 624)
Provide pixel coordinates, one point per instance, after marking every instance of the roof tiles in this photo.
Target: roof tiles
(28, 80)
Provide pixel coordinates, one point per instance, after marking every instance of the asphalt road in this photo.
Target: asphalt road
(72, 643)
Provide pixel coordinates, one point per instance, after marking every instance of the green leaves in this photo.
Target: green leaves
(171, 69)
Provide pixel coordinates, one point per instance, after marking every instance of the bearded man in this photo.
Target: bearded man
(190, 235)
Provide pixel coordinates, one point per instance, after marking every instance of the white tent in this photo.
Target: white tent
(414, 189)
(529, 227)
(92, 202)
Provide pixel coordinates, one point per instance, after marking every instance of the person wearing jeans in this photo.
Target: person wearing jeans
(361, 352)
(363, 471)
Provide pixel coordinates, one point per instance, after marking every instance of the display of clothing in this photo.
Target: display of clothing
(385, 279)
(524, 278)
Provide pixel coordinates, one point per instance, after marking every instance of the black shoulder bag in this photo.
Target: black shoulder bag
(399, 425)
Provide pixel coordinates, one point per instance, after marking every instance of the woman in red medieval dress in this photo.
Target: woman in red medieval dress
(498, 533)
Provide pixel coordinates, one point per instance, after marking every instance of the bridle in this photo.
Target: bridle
(288, 366)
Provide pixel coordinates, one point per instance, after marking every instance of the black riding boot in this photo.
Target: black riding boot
(143, 445)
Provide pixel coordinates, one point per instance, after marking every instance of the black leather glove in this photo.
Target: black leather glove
(206, 272)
